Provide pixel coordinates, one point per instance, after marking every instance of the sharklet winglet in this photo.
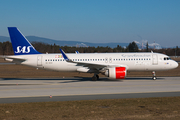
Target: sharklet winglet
(64, 55)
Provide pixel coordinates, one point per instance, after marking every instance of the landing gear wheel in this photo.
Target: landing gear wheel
(94, 78)
(97, 76)
(154, 78)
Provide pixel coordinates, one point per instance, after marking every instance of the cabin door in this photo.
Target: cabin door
(39, 61)
(154, 59)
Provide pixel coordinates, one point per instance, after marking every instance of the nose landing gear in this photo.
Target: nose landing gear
(154, 75)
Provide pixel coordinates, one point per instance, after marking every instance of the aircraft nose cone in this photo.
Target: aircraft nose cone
(176, 64)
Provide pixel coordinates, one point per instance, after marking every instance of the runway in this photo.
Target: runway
(18, 90)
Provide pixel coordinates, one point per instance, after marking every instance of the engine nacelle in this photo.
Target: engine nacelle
(116, 72)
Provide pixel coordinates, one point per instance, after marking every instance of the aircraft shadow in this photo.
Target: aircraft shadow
(64, 80)
(80, 79)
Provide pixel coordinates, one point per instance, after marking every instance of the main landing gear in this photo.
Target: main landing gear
(95, 77)
(154, 75)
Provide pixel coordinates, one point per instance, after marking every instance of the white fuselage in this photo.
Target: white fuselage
(132, 61)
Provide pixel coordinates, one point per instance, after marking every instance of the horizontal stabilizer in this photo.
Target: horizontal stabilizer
(14, 59)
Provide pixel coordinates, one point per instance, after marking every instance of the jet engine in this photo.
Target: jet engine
(116, 72)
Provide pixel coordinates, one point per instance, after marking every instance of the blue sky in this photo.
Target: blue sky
(95, 20)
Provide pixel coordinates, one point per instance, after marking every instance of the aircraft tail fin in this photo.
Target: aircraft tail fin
(21, 45)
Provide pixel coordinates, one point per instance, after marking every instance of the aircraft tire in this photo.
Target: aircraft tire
(97, 76)
(94, 78)
(154, 78)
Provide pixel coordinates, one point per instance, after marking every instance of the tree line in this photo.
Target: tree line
(6, 49)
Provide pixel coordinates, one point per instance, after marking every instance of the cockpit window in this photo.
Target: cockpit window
(167, 58)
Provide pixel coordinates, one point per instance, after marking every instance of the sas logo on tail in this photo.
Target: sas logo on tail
(23, 49)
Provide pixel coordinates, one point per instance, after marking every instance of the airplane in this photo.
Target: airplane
(112, 65)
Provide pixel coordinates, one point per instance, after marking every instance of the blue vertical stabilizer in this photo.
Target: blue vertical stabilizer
(21, 45)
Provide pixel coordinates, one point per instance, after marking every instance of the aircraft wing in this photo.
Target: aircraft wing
(92, 66)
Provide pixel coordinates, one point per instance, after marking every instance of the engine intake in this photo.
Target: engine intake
(116, 72)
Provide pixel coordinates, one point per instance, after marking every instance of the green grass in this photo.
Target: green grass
(112, 109)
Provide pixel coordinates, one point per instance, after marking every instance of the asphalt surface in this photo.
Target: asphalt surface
(19, 90)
